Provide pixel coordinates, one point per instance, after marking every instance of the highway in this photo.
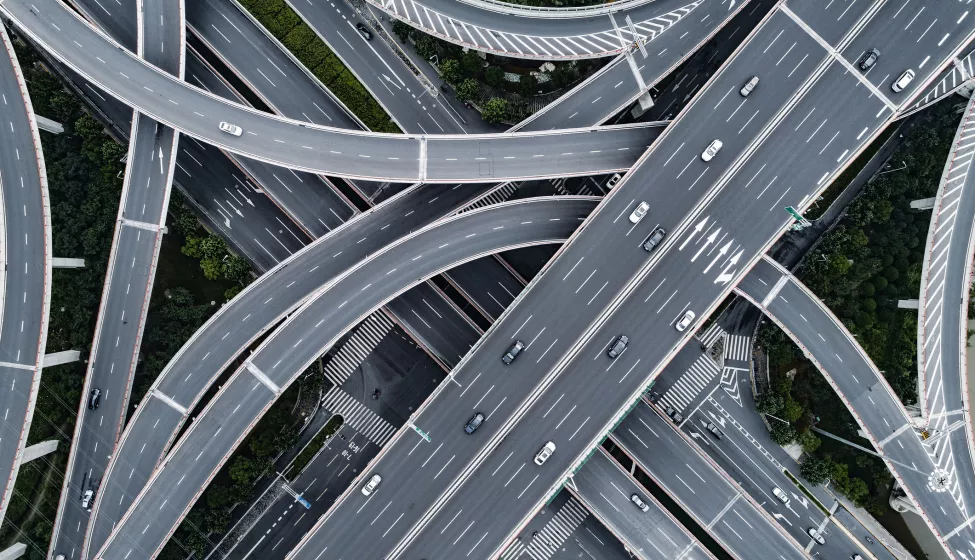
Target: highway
(728, 514)
(942, 335)
(128, 284)
(315, 327)
(934, 473)
(25, 281)
(237, 325)
(606, 489)
(307, 147)
(540, 33)
(836, 97)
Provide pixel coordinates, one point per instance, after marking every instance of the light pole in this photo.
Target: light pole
(903, 166)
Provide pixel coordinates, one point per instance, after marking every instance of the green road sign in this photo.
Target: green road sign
(796, 214)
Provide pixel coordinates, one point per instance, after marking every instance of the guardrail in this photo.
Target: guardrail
(500, 7)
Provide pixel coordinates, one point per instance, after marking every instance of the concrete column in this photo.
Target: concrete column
(49, 125)
(39, 450)
(59, 358)
(62, 262)
(15, 551)
(642, 104)
(907, 304)
(966, 89)
(923, 204)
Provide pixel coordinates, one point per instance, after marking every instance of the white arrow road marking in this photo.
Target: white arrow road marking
(721, 253)
(709, 241)
(160, 160)
(801, 499)
(781, 517)
(725, 275)
(390, 80)
(697, 230)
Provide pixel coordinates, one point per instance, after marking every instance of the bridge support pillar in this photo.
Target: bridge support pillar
(923, 204)
(39, 450)
(907, 304)
(899, 501)
(642, 104)
(62, 262)
(52, 126)
(59, 358)
(13, 551)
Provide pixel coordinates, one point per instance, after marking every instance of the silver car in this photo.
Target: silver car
(711, 150)
(903, 81)
(685, 320)
(639, 212)
(544, 453)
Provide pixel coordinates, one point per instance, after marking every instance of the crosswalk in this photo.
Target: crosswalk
(737, 347)
(497, 196)
(557, 531)
(687, 388)
(712, 334)
(365, 421)
(365, 339)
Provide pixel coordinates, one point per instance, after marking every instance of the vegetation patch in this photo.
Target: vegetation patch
(314, 446)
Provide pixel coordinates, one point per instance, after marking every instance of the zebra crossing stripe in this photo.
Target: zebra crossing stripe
(689, 386)
(365, 421)
(496, 196)
(365, 339)
(513, 551)
(713, 333)
(737, 348)
(557, 530)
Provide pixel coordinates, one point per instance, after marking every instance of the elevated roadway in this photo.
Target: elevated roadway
(542, 33)
(316, 326)
(315, 148)
(814, 116)
(150, 165)
(936, 474)
(25, 280)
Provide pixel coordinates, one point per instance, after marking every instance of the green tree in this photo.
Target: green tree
(815, 469)
(792, 410)
(237, 269)
(450, 71)
(468, 90)
(782, 433)
(809, 441)
(471, 64)
(771, 403)
(495, 110)
(401, 30)
(528, 85)
(494, 76)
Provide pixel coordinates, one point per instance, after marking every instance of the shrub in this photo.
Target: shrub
(495, 110)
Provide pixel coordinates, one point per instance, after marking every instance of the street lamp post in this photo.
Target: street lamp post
(903, 166)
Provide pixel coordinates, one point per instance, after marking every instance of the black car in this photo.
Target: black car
(674, 415)
(513, 352)
(94, 398)
(655, 238)
(868, 59)
(714, 430)
(618, 346)
(364, 31)
(474, 423)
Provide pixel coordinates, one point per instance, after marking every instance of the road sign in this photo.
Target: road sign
(423, 434)
(795, 214)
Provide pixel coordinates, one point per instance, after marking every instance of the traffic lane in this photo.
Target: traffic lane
(607, 490)
(435, 322)
(258, 60)
(328, 475)
(163, 35)
(760, 280)
(644, 424)
(487, 284)
(593, 101)
(311, 341)
(380, 70)
(910, 35)
(148, 188)
(735, 529)
(293, 144)
(862, 535)
(580, 152)
(831, 20)
(14, 400)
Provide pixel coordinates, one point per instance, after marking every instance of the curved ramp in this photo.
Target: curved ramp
(25, 280)
(316, 148)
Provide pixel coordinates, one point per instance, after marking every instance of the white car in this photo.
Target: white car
(902, 82)
(635, 498)
(231, 128)
(639, 212)
(812, 532)
(781, 495)
(711, 150)
(87, 498)
(544, 453)
(371, 486)
(685, 320)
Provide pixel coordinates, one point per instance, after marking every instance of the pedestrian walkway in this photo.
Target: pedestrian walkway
(548, 541)
(737, 348)
(357, 347)
(355, 414)
(689, 386)
(514, 550)
(711, 335)
(496, 196)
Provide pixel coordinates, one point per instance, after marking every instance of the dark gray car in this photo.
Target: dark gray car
(513, 352)
(655, 239)
(618, 346)
(474, 423)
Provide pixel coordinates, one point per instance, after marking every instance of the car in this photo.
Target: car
(635, 498)
(231, 129)
(781, 495)
(816, 535)
(655, 239)
(59, 557)
(749, 86)
(685, 320)
(94, 398)
(639, 212)
(673, 414)
(513, 352)
(474, 423)
(618, 346)
(901, 83)
(711, 150)
(868, 59)
(613, 181)
(87, 498)
(371, 486)
(856, 557)
(364, 31)
(869, 540)
(714, 430)
(544, 453)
